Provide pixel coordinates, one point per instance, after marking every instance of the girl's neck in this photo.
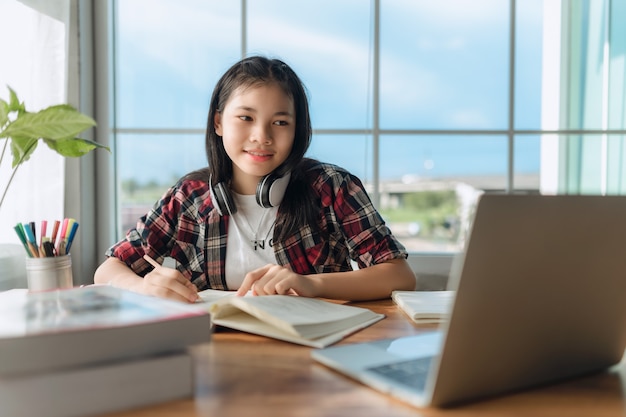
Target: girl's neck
(244, 184)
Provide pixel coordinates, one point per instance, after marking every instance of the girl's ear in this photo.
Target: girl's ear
(217, 123)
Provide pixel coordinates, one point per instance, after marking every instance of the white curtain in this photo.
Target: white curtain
(584, 88)
(34, 64)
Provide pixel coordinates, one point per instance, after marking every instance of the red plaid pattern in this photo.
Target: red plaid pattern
(185, 226)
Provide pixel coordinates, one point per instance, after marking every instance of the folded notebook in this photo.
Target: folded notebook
(424, 306)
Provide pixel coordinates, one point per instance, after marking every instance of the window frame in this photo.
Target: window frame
(432, 264)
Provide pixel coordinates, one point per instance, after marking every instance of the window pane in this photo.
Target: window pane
(149, 164)
(352, 152)
(169, 55)
(526, 163)
(478, 159)
(443, 69)
(327, 43)
(430, 183)
(529, 62)
(444, 65)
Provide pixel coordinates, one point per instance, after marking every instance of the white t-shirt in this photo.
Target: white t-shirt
(249, 245)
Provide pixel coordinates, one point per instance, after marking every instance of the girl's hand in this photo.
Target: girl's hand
(167, 283)
(275, 279)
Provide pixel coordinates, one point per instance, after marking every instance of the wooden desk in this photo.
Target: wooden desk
(244, 375)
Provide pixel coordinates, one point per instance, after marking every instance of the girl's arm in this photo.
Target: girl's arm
(374, 282)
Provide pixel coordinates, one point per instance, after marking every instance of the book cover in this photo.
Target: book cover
(97, 389)
(41, 331)
(306, 321)
(424, 306)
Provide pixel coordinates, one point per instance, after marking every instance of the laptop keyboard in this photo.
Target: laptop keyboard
(412, 373)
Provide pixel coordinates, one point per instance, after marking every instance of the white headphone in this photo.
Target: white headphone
(269, 193)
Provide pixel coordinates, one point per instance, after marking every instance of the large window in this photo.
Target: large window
(430, 103)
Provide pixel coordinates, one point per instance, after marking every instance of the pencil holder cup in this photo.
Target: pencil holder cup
(49, 273)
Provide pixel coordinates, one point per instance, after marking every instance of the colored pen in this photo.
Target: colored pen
(61, 244)
(34, 230)
(152, 262)
(61, 248)
(64, 228)
(30, 238)
(70, 238)
(44, 227)
(55, 230)
(48, 248)
(20, 234)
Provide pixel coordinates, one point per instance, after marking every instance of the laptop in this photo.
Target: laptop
(540, 297)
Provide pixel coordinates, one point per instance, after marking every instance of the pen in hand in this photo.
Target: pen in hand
(185, 282)
(152, 262)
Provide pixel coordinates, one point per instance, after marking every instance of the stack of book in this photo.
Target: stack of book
(93, 350)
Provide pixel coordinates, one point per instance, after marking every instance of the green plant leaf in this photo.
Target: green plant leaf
(21, 149)
(57, 126)
(73, 147)
(14, 102)
(55, 123)
(4, 113)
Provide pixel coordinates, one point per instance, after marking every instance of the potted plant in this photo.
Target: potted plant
(57, 126)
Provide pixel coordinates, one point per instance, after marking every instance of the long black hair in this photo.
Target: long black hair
(299, 205)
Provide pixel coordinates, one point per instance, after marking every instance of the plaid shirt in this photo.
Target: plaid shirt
(184, 225)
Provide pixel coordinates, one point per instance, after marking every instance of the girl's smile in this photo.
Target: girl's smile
(259, 155)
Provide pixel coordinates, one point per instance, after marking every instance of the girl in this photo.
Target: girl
(261, 217)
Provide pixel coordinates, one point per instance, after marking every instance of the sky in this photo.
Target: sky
(444, 65)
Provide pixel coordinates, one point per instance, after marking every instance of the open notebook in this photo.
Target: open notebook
(539, 298)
